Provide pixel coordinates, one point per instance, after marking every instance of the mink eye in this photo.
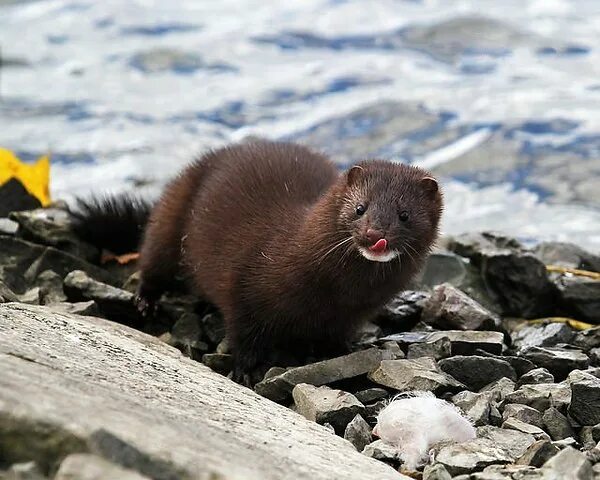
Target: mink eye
(360, 209)
(403, 216)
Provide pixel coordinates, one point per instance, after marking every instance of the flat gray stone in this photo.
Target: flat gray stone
(382, 451)
(557, 425)
(538, 453)
(279, 387)
(493, 446)
(542, 335)
(462, 342)
(408, 375)
(115, 392)
(513, 423)
(476, 372)
(524, 413)
(83, 466)
(476, 406)
(113, 302)
(436, 472)
(326, 405)
(448, 307)
(437, 349)
(558, 361)
(582, 294)
(585, 401)
(358, 433)
(568, 464)
(537, 375)
(542, 396)
(500, 388)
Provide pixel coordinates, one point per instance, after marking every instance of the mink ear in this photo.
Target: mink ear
(354, 174)
(430, 184)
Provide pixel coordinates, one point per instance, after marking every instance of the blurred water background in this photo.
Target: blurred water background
(500, 99)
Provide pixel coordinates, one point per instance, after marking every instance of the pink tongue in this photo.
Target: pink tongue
(379, 246)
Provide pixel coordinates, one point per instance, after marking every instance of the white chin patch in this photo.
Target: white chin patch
(382, 257)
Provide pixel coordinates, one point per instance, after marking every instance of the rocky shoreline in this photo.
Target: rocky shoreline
(504, 332)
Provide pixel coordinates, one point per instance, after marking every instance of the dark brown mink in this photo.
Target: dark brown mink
(277, 239)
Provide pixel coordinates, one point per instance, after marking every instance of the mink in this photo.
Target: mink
(294, 254)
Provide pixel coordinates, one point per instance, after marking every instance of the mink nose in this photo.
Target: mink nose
(374, 235)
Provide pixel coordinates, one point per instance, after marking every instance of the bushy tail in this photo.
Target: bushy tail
(114, 223)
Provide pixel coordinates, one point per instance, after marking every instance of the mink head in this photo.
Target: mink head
(391, 210)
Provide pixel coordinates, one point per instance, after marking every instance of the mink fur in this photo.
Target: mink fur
(270, 234)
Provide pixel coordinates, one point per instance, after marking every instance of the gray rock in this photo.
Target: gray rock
(448, 307)
(559, 361)
(476, 406)
(419, 374)
(474, 245)
(568, 464)
(21, 262)
(368, 334)
(279, 387)
(6, 294)
(164, 59)
(493, 445)
(537, 375)
(8, 227)
(373, 409)
(517, 279)
(520, 364)
(586, 438)
(219, 362)
(380, 450)
(442, 267)
(538, 453)
(51, 287)
(186, 335)
(500, 388)
(513, 423)
(503, 472)
(557, 425)
(402, 309)
(585, 401)
(582, 295)
(523, 413)
(476, 372)
(25, 471)
(104, 384)
(594, 354)
(371, 395)
(436, 472)
(113, 302)
(326, 405)
(52, 227)
(587, 339)
(542, 335)
(462, 342)
(542, 396)
(33, 296)
(394, 349)
(567, 255)
(78, 308)
(358, 433)
(213, 328)
(83, 466)
(436, 349)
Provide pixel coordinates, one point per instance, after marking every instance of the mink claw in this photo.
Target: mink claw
(145, 307)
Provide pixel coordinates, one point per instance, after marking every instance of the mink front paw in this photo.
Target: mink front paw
(146, 302)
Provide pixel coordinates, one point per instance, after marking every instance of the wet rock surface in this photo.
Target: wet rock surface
(531, 387)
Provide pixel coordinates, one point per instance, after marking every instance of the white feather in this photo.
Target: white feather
(415, 424)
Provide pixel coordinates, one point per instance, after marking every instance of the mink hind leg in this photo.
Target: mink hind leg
(164, 238)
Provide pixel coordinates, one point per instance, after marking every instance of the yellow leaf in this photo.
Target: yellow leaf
(35, 178)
